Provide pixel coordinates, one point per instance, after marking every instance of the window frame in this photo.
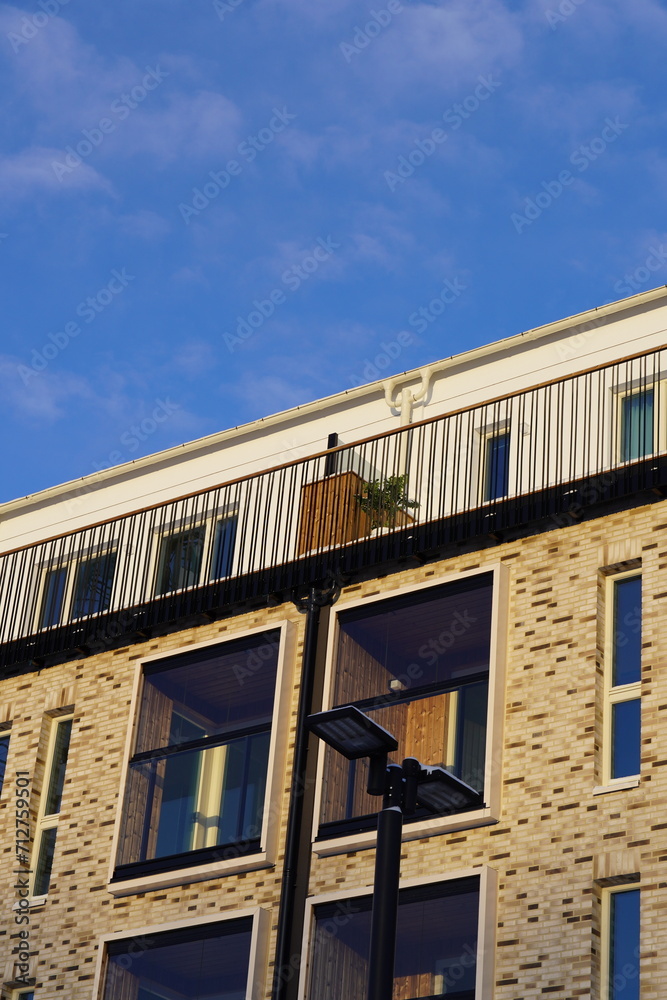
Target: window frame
(257, 963)
(71, 565)
(606, 894)
(658, 385)
(209, 522)
(486, 921)
(431, 826)
(615, 694)
(5, 734)
(50, 821)
(266, 856)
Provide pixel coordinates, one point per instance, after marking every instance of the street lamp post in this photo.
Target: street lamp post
(353, 734)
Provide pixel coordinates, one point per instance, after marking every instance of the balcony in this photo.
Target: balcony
(548, 456)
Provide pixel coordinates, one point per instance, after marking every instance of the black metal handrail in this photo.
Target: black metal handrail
(545, 452)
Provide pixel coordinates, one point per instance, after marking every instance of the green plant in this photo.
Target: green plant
(383, 499)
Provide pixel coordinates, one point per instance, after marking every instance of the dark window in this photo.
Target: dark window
(92, 589)
(45, 841)
(197, 779)
(626, 669)
(419, 665)
(223, 550)
(52, 599)
(627, 654)
(180, 558)
(624, 946)
(205, 962)
(497, 467)
(4, 751)
(436, 944)
(637, 425)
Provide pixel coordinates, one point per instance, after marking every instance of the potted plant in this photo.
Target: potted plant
(386, 501)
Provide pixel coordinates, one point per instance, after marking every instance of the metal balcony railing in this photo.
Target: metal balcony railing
(547, 452)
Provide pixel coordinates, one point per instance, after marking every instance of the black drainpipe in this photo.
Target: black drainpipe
(284, 970)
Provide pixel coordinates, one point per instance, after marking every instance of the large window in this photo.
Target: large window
(197, 779)
(623, 678)
(419, 665)
(76, 590)
(621, 920)
(204, 962)
(436, 944)
(50, 802)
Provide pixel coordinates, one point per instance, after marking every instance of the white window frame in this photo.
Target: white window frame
(71, 566)
(209, 522)
(632, 388)
(614, 695)
(483, 816)
(486, 922)
(267, 853)
(43, 821)
(606, 894)
(259, 940)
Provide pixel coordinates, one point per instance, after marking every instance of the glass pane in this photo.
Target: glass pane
(209, 962)
(637, 425)
(58, 765)
(223, 553)
(180, 560)
(624, 946)
(497, 467)
(4, 750)
(626, 738)
(194, 799)
(447, 729)
(439, 636)
(436, 946)
(209, 692)
(92, 591)
(627, 654)
(47, 846)
(54, 592)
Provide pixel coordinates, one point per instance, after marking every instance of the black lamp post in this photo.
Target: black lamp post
(349, 731)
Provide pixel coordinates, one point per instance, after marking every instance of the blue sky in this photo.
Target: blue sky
(212, 211)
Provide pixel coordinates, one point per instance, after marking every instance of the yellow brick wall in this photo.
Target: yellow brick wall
(554, 837)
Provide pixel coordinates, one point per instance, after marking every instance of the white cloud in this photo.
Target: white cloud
(42, 397)
(32, 170)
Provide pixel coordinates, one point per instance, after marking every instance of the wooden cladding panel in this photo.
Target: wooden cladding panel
(329, 514)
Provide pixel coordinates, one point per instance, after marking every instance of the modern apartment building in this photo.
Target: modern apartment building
(473, 554)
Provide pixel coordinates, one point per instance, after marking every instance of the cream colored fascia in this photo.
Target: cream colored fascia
(488, 814)
(613, 695)
(44, 822)
(605, 932)
(273, 804)
(259, 940)
(486, 922)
